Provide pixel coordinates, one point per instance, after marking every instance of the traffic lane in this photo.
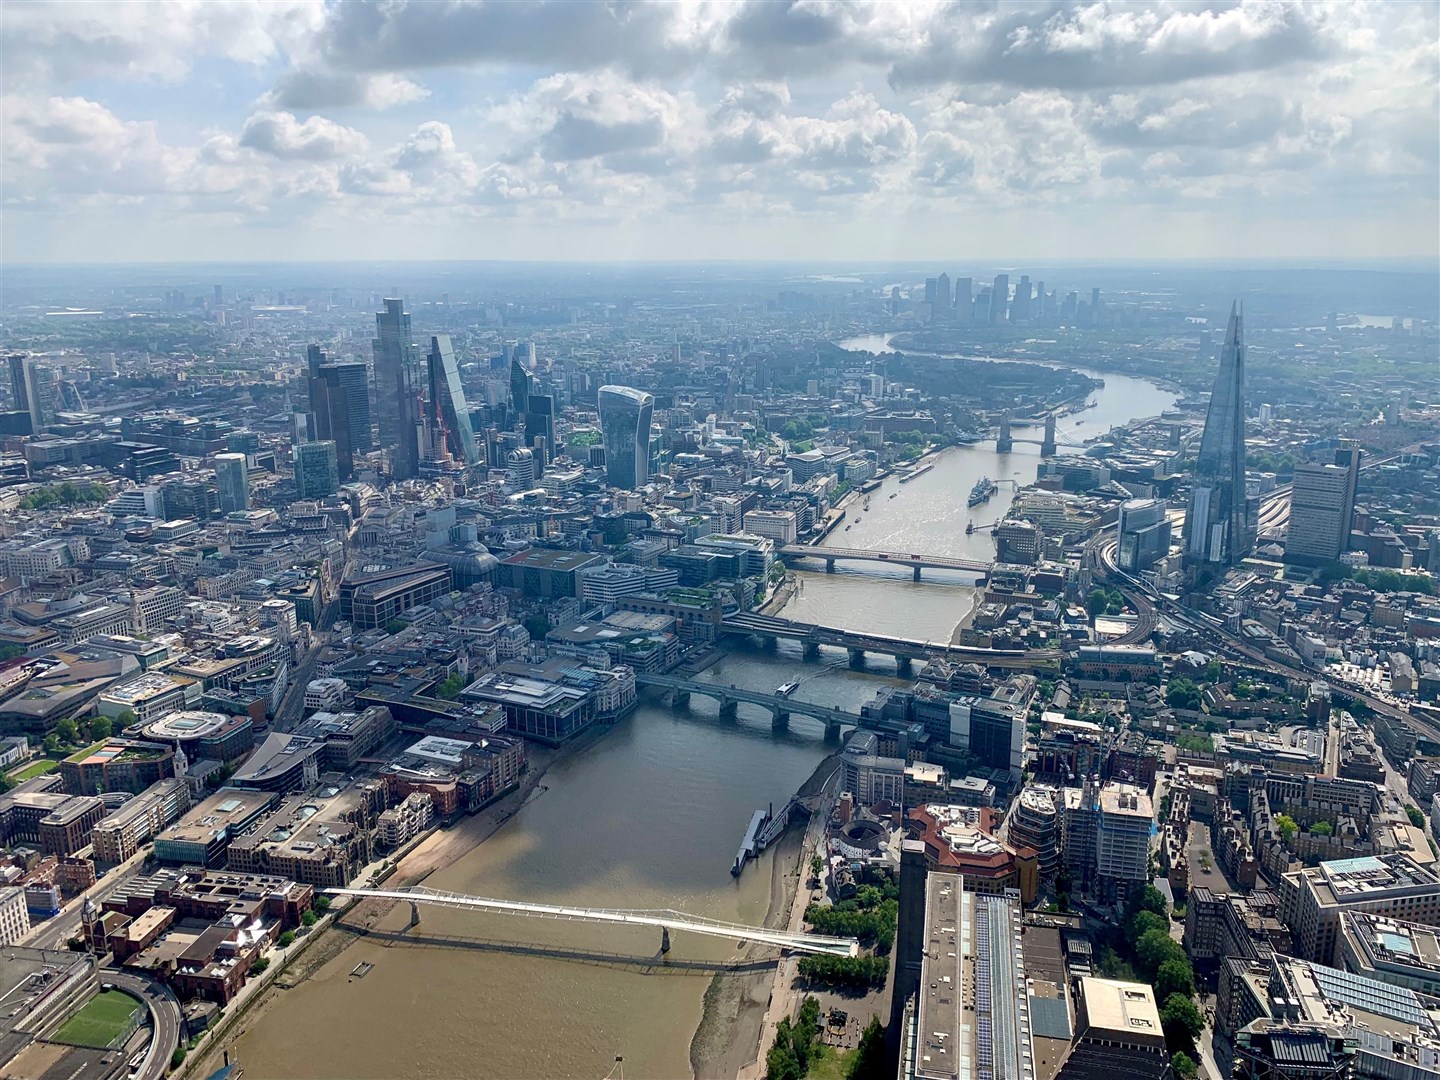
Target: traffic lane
(164, 1010)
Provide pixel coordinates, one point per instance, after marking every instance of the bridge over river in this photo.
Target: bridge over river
(731, 698)
(905, 650)
(912, 562)
(666, 920)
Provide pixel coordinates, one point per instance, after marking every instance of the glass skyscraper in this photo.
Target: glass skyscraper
(398, 386)
(1218, 525)
(625, 428)
(448, 399)
(232, 479)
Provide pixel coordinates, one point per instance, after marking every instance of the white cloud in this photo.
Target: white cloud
(315, 139)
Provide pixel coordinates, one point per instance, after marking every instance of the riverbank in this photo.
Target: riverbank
(740, 1011)
(441, 848)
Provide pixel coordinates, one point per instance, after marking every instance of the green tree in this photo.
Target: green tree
(780, 1062)
(1184, 1066)
(126, 718)
(1322, 828)
(287, 939)
(67, 730)
(177, 1057)
(1143, 923)
(1181, 693)
(817, 863)
(100, 727)
(1286, 826)
(309, 918)
(1150, 899)
(450, 688)
(1181, 1019)
(1153, 948)
(871, 1062)
(1417, 818)
(1097, 603)
(1174, 977)
(52, 744)
(322, 903)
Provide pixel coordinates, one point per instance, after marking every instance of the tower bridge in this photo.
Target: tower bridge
(1048, 444)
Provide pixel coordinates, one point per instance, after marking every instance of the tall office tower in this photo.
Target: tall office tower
(1217, 523)
(519, 388)
(232, 478)
(354, 381)
(932, 290)
(540, 430)
(448, 399)
(1020, 309)
(1095, 307)
(999, 298)
(398, 385)
(1322, 506)
(219, 296)
(333, 390)
(1037, 305)
(625, 430)
(982, 305)
(36, 390)
(964, 301)
(895, 300)
(1143, 529)
(316, 469)
(943, 296)
(1070, 308)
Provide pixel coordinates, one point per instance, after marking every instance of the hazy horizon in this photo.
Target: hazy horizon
(614, 133)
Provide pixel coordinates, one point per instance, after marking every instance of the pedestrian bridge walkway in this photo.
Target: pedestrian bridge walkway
(665, 919)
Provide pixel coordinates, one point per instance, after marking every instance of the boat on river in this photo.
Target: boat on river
(983, 489)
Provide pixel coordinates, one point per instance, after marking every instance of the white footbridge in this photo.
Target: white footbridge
(666, 919)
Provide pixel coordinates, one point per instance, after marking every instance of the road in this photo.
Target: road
(164, 1018)
(292, 705)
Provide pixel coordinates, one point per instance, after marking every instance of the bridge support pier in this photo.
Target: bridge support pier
(811, 651)
(414, 913)
(857, 658)
(679, 699)
(664, 940)
(832, 731)
(728, 708)
(779, 720)
(1047, 444)
(829, 566)
(1004, 444)
(768, 643)
(917, 573)
(904, 666)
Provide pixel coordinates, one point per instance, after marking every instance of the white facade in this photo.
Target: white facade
(778, 525)
(14, 918)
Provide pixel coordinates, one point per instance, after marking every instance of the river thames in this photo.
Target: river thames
(649, 817)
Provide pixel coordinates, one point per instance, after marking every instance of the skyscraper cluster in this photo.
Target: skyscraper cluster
(1000, 303)
(421, 414)
(1219, 525)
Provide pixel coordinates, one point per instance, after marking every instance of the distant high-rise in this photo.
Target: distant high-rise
(1322, 507)
(448, 399)
(943, 296)
(316, 472)
(519, 387)
(1020, 308)
(932, 291)
(625, 415)
(232, 479)
(36, 390)
(339, 407)
(964, 300)
(1218, 529)
(540, 430)
(999, 298)
(398, 386)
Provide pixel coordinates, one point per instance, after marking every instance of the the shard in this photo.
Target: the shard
(1218, 525)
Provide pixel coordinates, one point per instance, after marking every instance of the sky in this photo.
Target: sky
(299, 130)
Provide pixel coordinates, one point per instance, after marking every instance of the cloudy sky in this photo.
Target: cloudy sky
(210, 130)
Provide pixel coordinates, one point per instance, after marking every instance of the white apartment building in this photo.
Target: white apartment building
(778, 525)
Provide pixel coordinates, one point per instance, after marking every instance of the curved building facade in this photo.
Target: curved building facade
(1034, 823)
(625, 430)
